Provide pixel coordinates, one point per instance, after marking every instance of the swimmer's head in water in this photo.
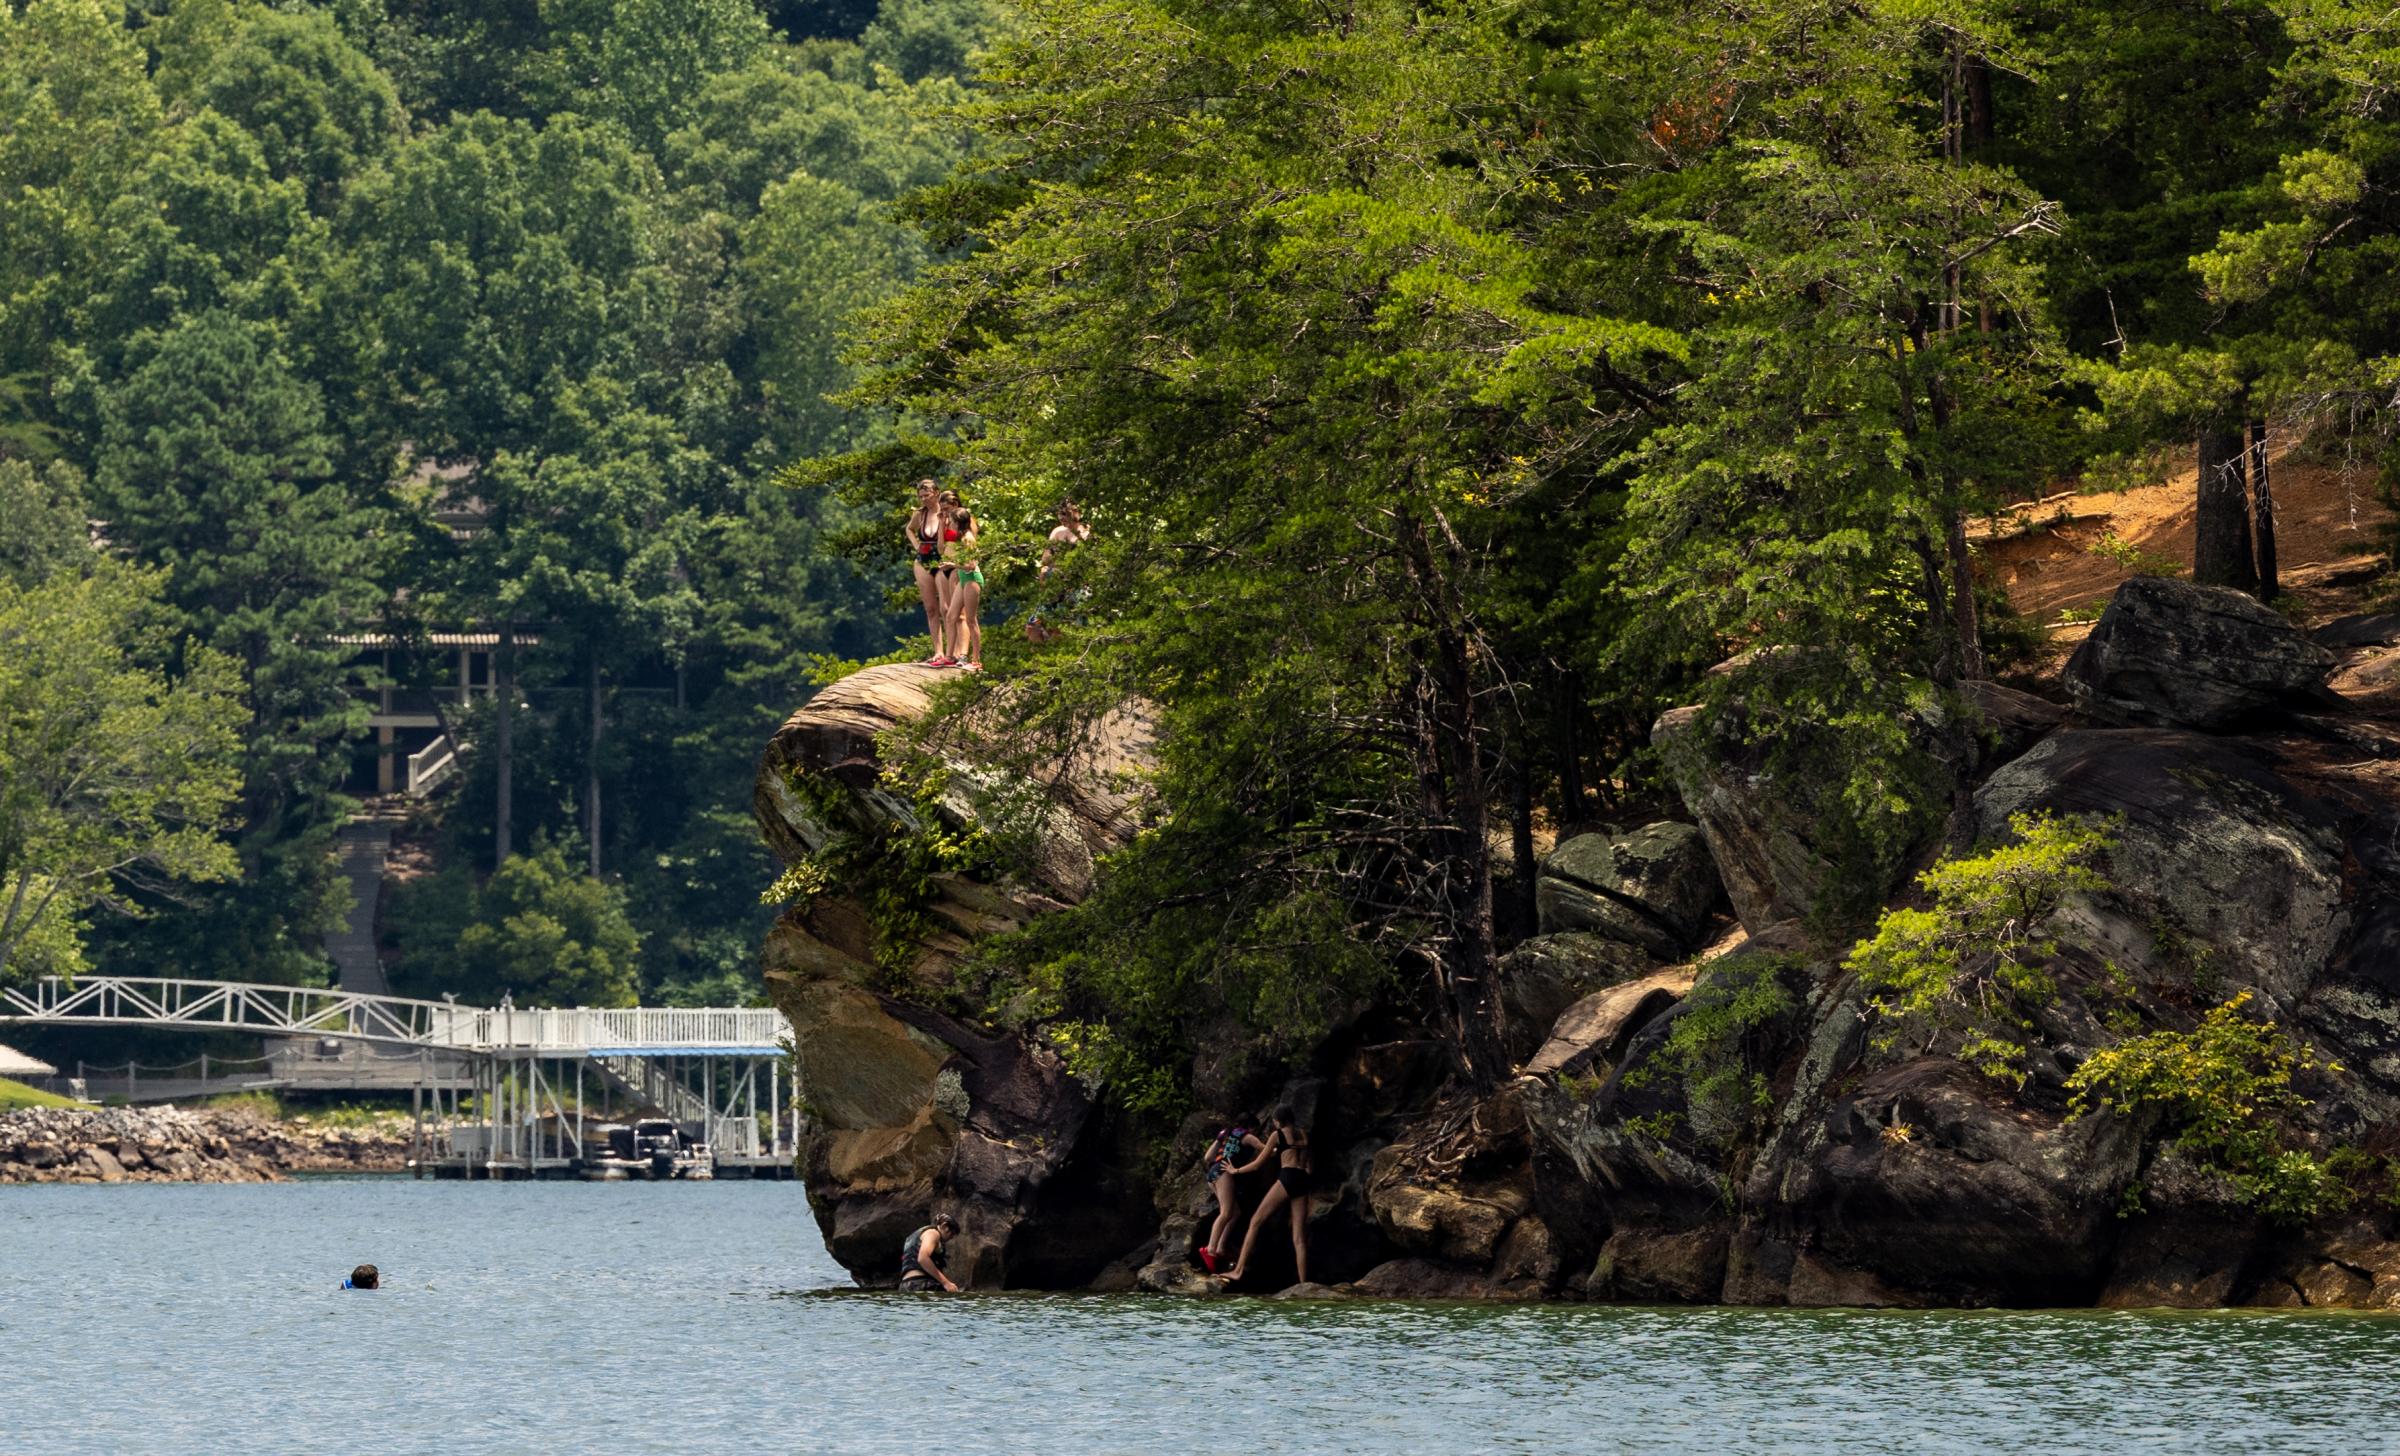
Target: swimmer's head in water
(365, 1277)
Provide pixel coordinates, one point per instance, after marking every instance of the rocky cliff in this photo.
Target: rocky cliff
(1710, 1104)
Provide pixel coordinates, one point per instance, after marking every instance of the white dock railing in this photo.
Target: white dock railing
(394, 1020)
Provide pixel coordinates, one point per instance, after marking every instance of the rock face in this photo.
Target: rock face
(1653, 889)
(2178, 655)
(910, 1109)
(1746, 1128)
(1891, 1173)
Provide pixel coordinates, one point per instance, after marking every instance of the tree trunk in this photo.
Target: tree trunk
(1971, 666)
(1457, 791)
(1521, 843)
(1570, 752)
(591, 761)
(2262, 512)
(2221, 545)
(504, 693)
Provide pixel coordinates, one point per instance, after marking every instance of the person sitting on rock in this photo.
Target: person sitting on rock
(924, 1256)
(1228, 1147)
(363, 1277)
(1289, 1144)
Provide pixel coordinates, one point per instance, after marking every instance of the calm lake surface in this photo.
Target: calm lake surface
(706, 1317)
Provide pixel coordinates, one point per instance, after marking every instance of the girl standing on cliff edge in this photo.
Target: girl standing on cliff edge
(964, 591)
(924, 539)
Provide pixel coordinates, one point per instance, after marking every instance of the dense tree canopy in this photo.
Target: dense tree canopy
(1450, 387)
(1451, 384)
(300, 288)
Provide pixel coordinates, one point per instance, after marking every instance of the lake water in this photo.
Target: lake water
(706, 1317)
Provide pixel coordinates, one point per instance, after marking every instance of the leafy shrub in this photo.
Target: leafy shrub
(2126, 556)
(889, 870)
(1974, 962)
(2225, 1089)
(2010, 638)
(1717, 1045)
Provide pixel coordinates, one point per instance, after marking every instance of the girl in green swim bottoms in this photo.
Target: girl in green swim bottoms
(966, 590)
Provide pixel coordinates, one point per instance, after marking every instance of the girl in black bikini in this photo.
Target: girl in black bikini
(924, 539)
(1289, 1142)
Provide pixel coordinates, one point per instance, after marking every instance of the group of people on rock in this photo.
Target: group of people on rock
(1232, 1153)
(942, 540)
(1222, 1168)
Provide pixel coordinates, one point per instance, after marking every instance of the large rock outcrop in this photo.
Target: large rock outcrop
(909, 1107)
(2174, 654)
(1891, 1172)
(1745, 1126)
(1653, 889)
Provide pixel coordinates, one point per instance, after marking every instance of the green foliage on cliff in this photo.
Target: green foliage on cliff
(1972, 964)
(889, 869)
(1717, 1044)
(2224, 1090)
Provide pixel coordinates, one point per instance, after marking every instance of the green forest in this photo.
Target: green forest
(287, 291)
(1449, 386)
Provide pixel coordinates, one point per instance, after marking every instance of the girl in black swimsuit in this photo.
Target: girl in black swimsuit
(1289, 1144)
(924, 539)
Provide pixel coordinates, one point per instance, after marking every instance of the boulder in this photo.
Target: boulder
(1452, 1185)
(2363, 629)
(2015, 720)
(2226, 872)
(2175, 654)
(1654, 888)
(1926, 1183)
(1541, 977)
(1416, 1278)
(1747, 774)
(1596, 1029)
(1661, 1266)
(908, 1107)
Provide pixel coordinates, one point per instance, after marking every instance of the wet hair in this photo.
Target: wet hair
(365, 1277)
(963, 519)
(1285, 1117)
(945, 1223)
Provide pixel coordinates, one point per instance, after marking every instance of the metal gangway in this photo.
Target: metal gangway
(520, 1061)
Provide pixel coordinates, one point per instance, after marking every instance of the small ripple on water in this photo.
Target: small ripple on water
(656, 1318)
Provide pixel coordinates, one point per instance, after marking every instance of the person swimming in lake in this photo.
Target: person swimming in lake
(925, 1256)
(1227, 1148)
(1289, 1145)
(924, 539)
(363, 1277)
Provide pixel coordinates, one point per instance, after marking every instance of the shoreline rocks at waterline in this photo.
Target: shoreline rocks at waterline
(171, 1145)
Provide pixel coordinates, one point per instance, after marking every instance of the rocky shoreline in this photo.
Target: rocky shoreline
(171, 1145)
(1710, 1105)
